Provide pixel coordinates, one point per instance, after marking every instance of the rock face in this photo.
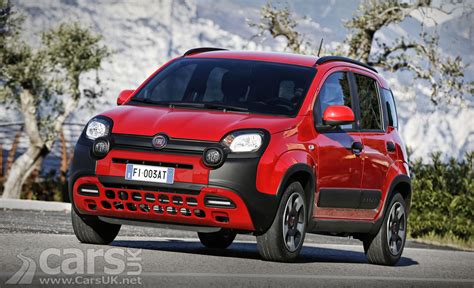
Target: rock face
(146, 34)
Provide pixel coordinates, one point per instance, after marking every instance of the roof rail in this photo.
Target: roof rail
(343, 59)
(201, 50)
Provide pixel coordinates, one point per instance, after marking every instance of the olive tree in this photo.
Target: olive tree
(420, 56)
(43, 84)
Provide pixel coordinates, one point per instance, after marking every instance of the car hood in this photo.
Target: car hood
(196, 124)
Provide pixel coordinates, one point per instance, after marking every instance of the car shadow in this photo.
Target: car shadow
(250, 251)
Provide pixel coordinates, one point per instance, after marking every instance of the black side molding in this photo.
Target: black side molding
(349, 198)
(326, 59)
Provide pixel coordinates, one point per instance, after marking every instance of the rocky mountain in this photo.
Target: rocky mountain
(146, 34)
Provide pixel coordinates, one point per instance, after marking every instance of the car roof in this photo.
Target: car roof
(284, 58)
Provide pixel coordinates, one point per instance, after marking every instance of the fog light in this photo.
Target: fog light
(88, 190)
(101, 147)
(218, 202)
(213, 156)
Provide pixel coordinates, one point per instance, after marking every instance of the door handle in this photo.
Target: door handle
(357, 147)
(391, 146)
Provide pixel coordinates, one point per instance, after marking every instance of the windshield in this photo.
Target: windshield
(227, 84)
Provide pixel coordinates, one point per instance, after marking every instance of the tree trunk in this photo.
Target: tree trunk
(21, 170)
(25, 164)
(38, 148)
(12, 152)
(1, 161)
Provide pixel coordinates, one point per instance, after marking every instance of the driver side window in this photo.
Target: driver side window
(335, 91)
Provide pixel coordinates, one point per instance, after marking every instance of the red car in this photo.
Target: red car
(224, 142)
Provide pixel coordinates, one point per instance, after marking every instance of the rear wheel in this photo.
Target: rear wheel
(386, 247)
(89, 229)
(284, 240)
(220, 240)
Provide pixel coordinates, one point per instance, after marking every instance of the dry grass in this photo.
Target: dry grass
(448, 241)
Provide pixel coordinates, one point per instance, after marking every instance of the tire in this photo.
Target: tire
(89, 229)
(377, 248)
(276, 244)
(217, 240)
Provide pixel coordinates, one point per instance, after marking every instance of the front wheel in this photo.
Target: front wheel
(89, 229)
(284, 240)
(387, 246)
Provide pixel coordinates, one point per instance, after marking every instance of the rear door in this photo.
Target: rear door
(376, 141)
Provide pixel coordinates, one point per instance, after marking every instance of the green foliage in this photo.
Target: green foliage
(74, 50)
(10, 22)
(443, 198)
(50, 74)
(20, 66)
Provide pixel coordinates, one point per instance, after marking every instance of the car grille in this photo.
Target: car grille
(144, 144)
(152, 163)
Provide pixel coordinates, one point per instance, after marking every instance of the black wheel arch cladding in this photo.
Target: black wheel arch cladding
(309, 185)
(82, 164)
(240, 176)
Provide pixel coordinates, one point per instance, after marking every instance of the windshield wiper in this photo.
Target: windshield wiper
(144, 100)
(226, 107)
(215, 106)
(184, 104)
(208, 106)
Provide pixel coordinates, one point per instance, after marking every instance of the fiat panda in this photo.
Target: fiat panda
(270, 144)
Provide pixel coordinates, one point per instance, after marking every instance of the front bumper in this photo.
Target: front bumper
(161, 205)
(235, 180)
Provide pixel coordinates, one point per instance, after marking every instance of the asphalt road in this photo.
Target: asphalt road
(41, 246)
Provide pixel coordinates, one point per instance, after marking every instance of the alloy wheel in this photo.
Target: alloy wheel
(396, 228)
(294, 222)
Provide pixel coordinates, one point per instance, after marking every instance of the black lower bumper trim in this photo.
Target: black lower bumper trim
(121, 221)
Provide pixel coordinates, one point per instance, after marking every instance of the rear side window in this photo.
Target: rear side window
(370, 109)
(391, 108)
(335, 91)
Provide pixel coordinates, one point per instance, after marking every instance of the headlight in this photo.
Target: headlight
(97, 128)
(245, 142)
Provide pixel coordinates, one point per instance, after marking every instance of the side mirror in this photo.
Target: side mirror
(123, 96)
(336, 115)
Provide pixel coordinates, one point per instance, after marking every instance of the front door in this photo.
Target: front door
(338, 152)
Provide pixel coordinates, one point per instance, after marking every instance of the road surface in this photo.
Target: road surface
(167, 258)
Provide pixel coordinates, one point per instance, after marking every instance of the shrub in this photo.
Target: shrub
(443, 197)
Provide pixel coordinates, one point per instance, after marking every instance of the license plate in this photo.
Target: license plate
(149, 173)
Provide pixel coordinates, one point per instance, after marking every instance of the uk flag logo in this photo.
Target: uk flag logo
(129, 171)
